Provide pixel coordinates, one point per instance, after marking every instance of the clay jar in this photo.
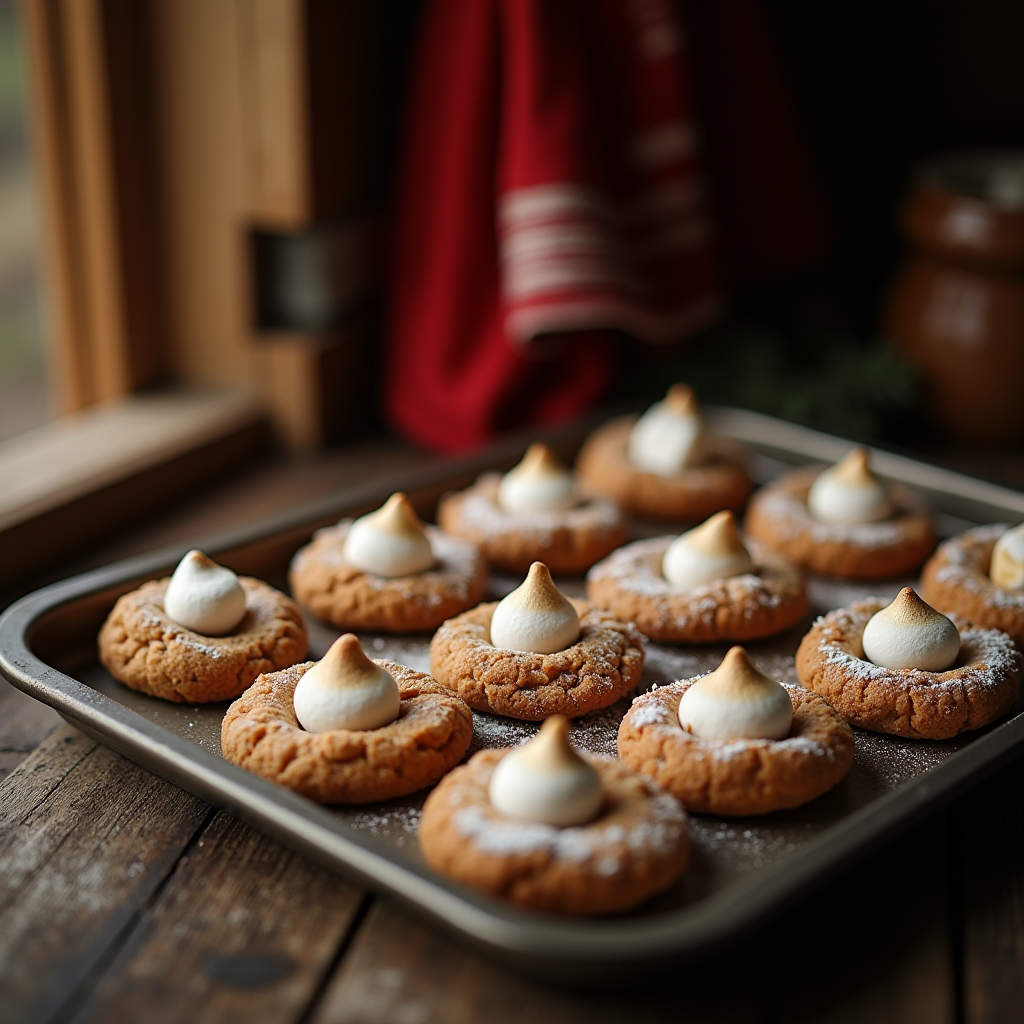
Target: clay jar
(957, 309)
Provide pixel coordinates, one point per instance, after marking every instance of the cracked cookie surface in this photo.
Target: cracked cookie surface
(980, 688)
(353, 766)
(778, 517)
(750, 606)
(603, 665)
(635, 848)
(694, 493)
(349, 598)
(740, 776)
(568, 540)
(144, 648)
(955, 581)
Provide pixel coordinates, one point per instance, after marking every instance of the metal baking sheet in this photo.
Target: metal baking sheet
(741, 870)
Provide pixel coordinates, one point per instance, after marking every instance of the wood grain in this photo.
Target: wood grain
(24, 724)
(244, 930)
(991, 847)
(399, 970)
(86, 837)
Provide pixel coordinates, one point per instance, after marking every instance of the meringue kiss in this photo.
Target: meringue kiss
(1007, 569)
(736, 701)
(849, 492)
(535, 617)
(345, 690)
(911, 634)
(545, 780)
(664, 440)
(711, 551)
(204, 596)
(540, 483)
(389, 542)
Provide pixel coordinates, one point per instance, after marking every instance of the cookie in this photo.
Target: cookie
(349, 598)
(629, 583)
(955, 580)
(142, 647)
(694, 493)
(980, 688)
(739, 776)
(779, 519)
(603, 665)
(635, 848)
(566, 540)
(431, 734)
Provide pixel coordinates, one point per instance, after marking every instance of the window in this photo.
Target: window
(24, 402)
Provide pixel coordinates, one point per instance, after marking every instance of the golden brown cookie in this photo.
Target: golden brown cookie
(566, 540)
(742, 776)
(906, 701)
(779, 519)
(603, 665)
(630, 584)
(694, 493)
(346, 766)
(145, 649)
(955, 580)
(635, 848)
(349, 598)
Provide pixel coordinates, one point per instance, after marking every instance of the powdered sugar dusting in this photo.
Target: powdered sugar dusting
(481, 514)
(986, 655)
(659, 833)
(967, 566)
(455, 569)
(791, 518)
(637, 569)
(396, 822)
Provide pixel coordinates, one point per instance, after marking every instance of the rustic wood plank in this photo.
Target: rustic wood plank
(875, 946)
(400, 970)
(990, 826)
(24, 724)
(86, 837)
(244, 930)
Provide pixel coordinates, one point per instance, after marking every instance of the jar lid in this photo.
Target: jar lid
(994, 176)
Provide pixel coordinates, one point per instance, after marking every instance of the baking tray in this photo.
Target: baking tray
(741, 871)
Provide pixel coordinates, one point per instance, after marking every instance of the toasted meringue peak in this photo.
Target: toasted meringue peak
(911, 634)
(389, 542)
(345, 690)
(736, 701)
(1007, 570)
(849, 492)
(711, 551)
(666, 438)
(535, 617)
(682, 400)
(545, 780)
(540, 483)
(204, 596)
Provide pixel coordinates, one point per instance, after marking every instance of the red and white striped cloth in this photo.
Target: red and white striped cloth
(550, 196)
(602, 221)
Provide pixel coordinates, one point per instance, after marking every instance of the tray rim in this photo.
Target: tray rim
(544, 944)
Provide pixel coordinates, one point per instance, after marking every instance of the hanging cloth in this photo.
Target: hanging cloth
(549, 197)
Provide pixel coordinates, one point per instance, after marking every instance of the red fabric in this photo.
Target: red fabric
(549, 197)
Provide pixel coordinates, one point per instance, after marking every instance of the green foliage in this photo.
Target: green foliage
(835, 382)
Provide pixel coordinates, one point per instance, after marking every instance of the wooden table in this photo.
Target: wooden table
(123, 898)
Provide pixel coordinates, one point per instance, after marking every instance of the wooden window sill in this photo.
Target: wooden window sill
(85, 476)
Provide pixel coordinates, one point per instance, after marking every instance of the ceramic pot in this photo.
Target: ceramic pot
(957, 308)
